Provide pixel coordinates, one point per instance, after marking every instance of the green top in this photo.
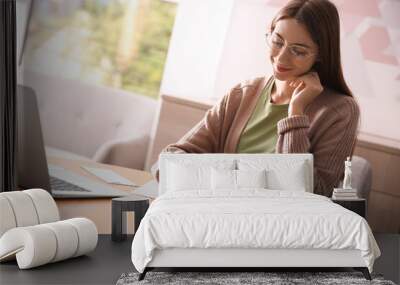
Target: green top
(260, 133)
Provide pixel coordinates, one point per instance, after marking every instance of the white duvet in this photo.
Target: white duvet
(250, 219)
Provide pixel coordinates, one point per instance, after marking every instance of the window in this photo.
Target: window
(117, 43)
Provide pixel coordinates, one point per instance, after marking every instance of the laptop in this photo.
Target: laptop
(33, 170)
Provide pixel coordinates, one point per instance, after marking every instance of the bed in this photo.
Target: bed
(247, 210)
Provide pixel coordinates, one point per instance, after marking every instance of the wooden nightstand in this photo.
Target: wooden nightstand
(358, 206)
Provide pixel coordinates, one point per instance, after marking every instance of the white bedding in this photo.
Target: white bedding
(251, 218)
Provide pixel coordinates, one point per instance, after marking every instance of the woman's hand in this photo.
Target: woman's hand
(306, 88)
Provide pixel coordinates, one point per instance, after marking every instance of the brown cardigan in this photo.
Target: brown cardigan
(327, 129)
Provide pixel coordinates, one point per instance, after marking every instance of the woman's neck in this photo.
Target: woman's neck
(281, 92)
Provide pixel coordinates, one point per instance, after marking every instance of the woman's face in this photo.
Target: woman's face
(292, 51)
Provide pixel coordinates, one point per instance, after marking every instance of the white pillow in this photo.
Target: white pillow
(288, 179)
(188, 175)
(281, 174)
(251, 178)
(181, 178)
(223, 179)
(236, 179)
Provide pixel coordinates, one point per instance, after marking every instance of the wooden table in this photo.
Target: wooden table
(97, 209)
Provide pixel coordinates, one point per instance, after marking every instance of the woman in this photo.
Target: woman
(304, 107)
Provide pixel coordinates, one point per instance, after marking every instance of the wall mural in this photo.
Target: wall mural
(370, 42)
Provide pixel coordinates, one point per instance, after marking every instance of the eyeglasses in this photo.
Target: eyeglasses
(276, 44)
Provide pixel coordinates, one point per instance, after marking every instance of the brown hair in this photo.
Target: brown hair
(321, 19)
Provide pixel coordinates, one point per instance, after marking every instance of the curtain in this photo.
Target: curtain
(8, 85)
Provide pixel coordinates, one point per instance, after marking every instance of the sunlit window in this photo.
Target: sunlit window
(117, 43)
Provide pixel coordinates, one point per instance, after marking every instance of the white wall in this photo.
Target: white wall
(214, 46)
(196, 45)
(245, 54)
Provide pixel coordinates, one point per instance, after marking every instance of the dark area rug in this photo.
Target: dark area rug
(225, 278)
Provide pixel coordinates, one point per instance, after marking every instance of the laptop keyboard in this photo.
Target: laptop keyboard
(62, 185)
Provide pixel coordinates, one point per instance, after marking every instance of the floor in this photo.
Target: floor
(111, 259)
(388, 263)
(103, 266)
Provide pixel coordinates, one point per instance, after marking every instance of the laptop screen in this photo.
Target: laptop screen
(32, 171)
